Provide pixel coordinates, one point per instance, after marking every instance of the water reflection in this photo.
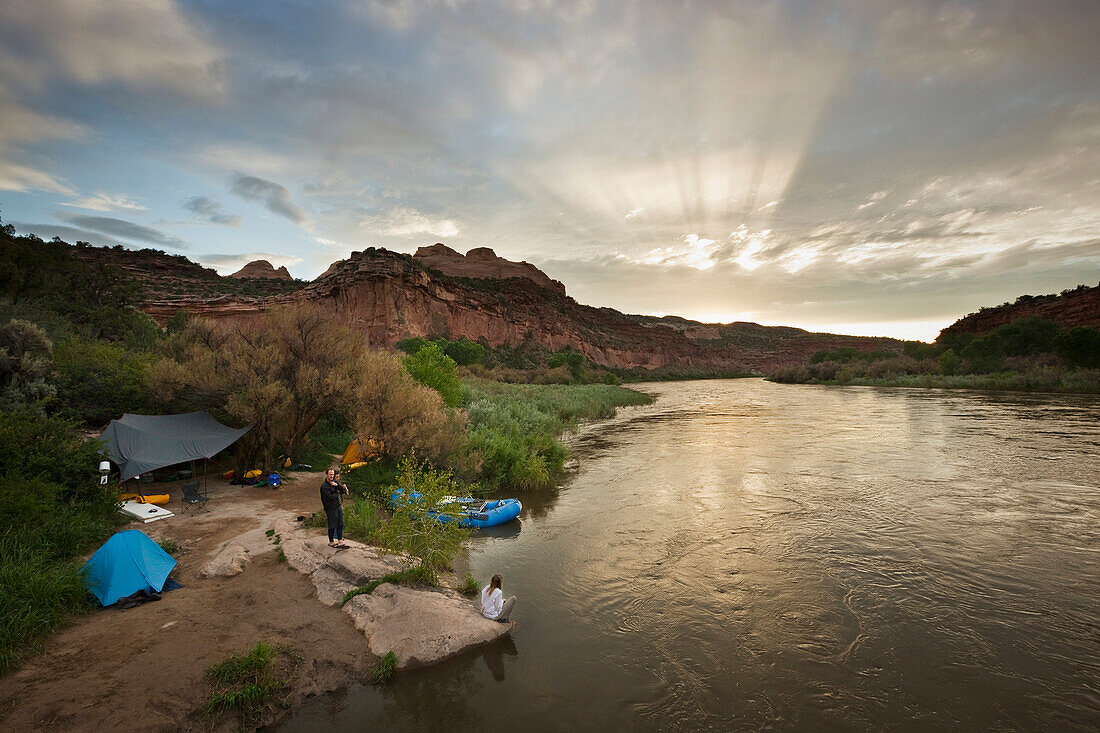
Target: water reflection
(749, 555)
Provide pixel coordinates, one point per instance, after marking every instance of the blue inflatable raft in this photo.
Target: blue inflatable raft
(472, 512)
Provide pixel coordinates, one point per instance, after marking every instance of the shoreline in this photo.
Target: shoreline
(144, 668)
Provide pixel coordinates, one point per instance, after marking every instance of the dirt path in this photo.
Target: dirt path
(142, 669)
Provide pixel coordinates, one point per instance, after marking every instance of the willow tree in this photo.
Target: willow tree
(281, 371)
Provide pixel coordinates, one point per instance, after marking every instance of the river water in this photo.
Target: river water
(746, 555)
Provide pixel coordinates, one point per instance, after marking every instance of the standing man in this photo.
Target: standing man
(331, 491)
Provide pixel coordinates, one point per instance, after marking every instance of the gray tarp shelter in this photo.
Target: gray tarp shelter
(140, 443)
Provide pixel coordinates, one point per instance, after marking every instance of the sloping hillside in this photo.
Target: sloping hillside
(1077, 307)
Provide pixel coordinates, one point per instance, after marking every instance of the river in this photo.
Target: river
(746, 555)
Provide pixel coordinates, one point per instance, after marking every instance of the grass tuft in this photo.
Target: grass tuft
(169, 546)
(247, 683)
(386, 669)
(415, 576)
(469, 586)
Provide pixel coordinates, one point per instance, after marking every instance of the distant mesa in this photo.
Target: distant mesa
(262, 269)
(482, 263)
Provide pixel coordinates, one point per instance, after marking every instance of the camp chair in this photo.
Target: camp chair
(193, 498)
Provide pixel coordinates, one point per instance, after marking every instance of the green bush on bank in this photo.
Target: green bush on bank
(1030, 354)
(52, 510)
(515, 427)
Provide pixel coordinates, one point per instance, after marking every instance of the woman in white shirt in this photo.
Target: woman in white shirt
(493, 605)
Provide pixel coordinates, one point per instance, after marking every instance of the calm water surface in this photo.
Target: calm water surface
(746, 555)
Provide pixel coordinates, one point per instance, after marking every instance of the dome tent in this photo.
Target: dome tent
(126, 563)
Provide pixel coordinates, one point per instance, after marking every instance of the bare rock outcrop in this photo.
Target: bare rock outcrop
(262, 269)
(230, 560)
(482, 263)
(421, 627)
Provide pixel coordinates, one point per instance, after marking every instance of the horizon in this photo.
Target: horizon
(869, 168)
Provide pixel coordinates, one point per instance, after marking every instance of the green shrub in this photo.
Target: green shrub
(1079, 347)
(412, 345)
(514, 428)
(362, 522)
(464, 352)
(429, 543)
(432, 368)
(38, 594)
(52, 509)
(372, 479)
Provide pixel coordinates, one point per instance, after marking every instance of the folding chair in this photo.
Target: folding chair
(193, 498)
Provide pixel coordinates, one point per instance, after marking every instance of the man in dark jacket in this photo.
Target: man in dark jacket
(331, 490)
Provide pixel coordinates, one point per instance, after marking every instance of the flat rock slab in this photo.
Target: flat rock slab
(420, 626)
(335, 572)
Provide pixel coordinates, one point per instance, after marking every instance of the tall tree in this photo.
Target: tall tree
(281, 371)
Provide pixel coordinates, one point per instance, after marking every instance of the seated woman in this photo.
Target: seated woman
(493, 605)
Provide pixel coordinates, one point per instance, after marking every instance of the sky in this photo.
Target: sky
(876, 167)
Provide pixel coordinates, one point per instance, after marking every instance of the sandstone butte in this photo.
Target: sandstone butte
(388, 296)
(262, 269)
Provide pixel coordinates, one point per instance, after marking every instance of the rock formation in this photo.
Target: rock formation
(420, 626)
(389, 296)
(262, 269)
(1077, 307)
(482, 263)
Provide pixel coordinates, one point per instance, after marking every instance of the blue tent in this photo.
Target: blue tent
(125, 564)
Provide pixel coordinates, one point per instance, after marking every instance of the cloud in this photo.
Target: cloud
(210, 209)
(126, 230)
(105, 202)
(144, 44)
(404, 222)
(273, 196)
(736, 157)
(15, 177)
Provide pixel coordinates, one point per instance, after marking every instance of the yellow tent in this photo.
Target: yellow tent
(357, 453)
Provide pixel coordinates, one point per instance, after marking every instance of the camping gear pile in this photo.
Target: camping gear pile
(255, 477)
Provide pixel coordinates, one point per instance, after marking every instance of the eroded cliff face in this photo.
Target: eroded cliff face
(482, 263)
(388, 296)
(1079, 307)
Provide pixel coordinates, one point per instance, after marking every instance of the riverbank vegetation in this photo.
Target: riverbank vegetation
(1032, 354)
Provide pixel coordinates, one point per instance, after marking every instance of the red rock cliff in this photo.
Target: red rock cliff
(388, 296)
(1078, 307)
